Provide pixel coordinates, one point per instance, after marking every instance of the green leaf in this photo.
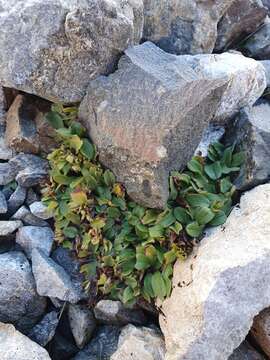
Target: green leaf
(70, 232)
(195, 166)
(156, 231)
(75, 142)
(170, 257)
(182, 215)
(147, 285)
(225, 185)
(158, 285)
(219, 219)
(238, 159)
(167, 220)
(194, 229)
(98, 223)
(78, 198)
(128, 295)
(87, 149)
(173, 190)
(55, 120)
(77, 129)
(109, 178)
(203, 215)
(195, 200)
(214, 171)
(149, 217)
(143, 262)
(176, 227)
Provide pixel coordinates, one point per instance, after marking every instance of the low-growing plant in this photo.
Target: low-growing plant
(127, 251)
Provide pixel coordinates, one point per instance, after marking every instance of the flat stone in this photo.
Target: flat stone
(127, 113)
(21, 131)
(44, 331)
(82, 324)
(31, 177)
(8, 227)
(3, 203)
(17, 199)
(19, 302)
(7, 173)
(114, 312)
(246, 352)
(260, 330)
(103, 345)
(52, 280)
(241, 19)
(139, 343)
(35, 237)
(214, 297)
(23, 161)
(24, 214)
(74, 42)
(16, 346)
(40, 210)
(251, 133)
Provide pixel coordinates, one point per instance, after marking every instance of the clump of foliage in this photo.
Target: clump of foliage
(127, 251)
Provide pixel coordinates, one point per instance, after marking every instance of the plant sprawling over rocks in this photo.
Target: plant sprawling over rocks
(128, 251)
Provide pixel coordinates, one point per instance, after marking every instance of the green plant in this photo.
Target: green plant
(127, 251)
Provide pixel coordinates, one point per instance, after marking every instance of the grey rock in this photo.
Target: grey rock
(31, 197)
(8, 227)
(68, 261)
(16, 346)
(16, 199)
(40, 210)
(212, 134)
(74, 41)
(24, 214)
(35, 237)
(127, 113)
(114, 312)
(103, 345)
(3, 203)
(266, 65)
(251, 133)
(7, 173)
(218, 291)
(183, 27)
(19, 302)
(52, 280)
(266, 3)
(139, 343)
(241, 19)
(82, 324)
(23, 161)
(62, 348)
(258, 45)
(31, 176)
(6, 153)
(246, 352)
(44, 331)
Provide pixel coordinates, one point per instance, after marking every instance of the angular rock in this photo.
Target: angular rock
(114, 312)
(19, 302)
(16, 346)
(258, 45)
(246, 352)
(212, 134)
(62, 349)
(73, 43)
(103, 345)
(215, 298)
(241, 19)
(7, 173)
(139, 343)
(183, 27)
(260, 330)
(28, 218)
(23, 161)
(251, 133)
(31, 197)
(31, 176)
(266, 3)
(40, 210)
(127, 113)
(44, 331)
(3, 203)
(8, 227)
(52, 280)
(21, 131)
(16, 199)
(35, 237)
(5, 152)
(82, 324)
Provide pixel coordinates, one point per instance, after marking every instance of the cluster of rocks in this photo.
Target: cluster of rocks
(157, 80)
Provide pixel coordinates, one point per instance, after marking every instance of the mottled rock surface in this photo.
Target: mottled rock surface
(19, 302)
(215, 298)
(16, 346)
(44, 331)
(3, 203)
(260, 330)
(40, 210)
(246, 352)
(139, 343)
(8, 227)
(64, 43)
(258, 45)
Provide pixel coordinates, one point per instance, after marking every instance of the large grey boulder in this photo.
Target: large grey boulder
(139, 343)
(241, 19)
(218, 291)
(54, 48)
(19, 302)
(250, 131)
(149, 116)
(183, 26)
(16, 346)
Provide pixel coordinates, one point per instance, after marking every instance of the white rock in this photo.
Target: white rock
(16, 346)
(8, 227)
(218, 291)
(139, 344)
(40, 210)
